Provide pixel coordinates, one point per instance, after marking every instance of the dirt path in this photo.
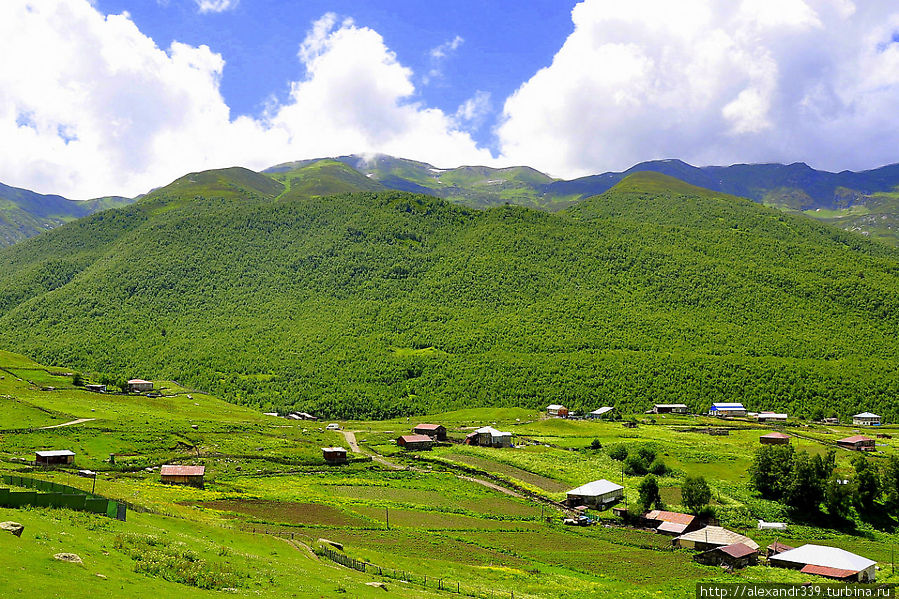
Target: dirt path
(70, 423)
(350, 437)
(491, 485)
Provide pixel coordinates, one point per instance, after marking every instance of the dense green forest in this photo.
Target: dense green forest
(375, 304)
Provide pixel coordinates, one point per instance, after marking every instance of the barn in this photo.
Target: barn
(775, 439)
(735, 556)
(334, 455)
(435, 431)
(182, 475)
(54, 457)
(711, 537)
(830, 562)
(856, 443)
(415, 442)
(598, 494)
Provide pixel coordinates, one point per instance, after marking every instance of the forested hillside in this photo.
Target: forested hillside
(388, 303)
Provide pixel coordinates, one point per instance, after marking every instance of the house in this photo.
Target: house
(182, 475)
(96, 388)
(831, 420)
(856, 443)
(600, 413)
(487, 436)
(435, 431)
(670, 408)
(775, 439)
(415, 442)
(866, 419)
(598, 494)
(777, 547)
(671, 523)
(830, 562)
(764, 417)
(724, 410)
(139, 385)
(54, 457)
(334, 455)
(557, 411)
(733, 556)
(711, 537)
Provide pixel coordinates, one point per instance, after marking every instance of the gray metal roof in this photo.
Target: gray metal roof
(54, 453)
(726, 405)
(493, 432)
(602, 410)
(671, 405)
(596, 488)
(830, 557)
(866, 415)
(554, 406)
(718, 536)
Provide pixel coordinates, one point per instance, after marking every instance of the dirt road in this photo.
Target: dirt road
(70, 423)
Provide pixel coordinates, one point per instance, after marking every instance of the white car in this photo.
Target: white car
(333, 427)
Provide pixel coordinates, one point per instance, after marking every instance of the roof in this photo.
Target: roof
(172, 470)
(674, 517)
(416, 439)
(738, 550)
(855, 439)
(671, 405)
(830, 557)
(778, 547)
(866, 415)
(775, 436)
(429, 427)
(773, 415)
(492, 431)
(333, 449)
(828, 572)
(138, 381)
(672, 528)
(555, 406)
(727, 406)
(717, 536)
(55, 453)
(596, 488)
(602, 410)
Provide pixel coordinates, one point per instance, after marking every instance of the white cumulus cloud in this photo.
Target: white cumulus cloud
(216, 5)
(713, 82)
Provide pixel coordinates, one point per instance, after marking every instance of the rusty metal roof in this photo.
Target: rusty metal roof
(675, 517)
(416, 439)
(775, 436)
(738, 550)
(172, 470)
(428, 427)
(837, 573)
(855, 439)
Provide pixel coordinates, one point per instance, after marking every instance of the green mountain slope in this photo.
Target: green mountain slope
(321, 178)
(24, 213)
(389, 303)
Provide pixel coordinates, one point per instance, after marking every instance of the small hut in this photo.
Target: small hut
(334, 455)
(775, 439)
(435, 431)
(415, 442)
(734, 556)
(54, 457)
(171, 474)
(856, 443)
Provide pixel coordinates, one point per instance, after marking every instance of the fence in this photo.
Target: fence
(50, 494)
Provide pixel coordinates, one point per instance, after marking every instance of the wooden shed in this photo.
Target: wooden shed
(139, 386)
(54, 457)
(671, 523)
(171, 474)
(96, 388)
(557, 410)
(735, 556)
(415, 442)
(775, 439)
(334, 455)
(670, 408)
(764, 417)
(857, 443)
(435, 431)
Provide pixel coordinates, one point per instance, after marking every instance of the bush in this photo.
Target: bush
(618, 452)
(658, 467)
(696, 493)
(635, 466)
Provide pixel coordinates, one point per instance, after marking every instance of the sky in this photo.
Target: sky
(115, 97)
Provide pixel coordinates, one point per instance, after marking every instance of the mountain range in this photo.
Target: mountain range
(866, 202)
(316, 287)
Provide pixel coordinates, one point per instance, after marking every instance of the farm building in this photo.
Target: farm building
(670, 408)
(777, 547)
(772, 525)
(733, 556)
(856, 443)
(54, 457)
(96, 388)
(598, 494)
(301, 416)
(487, 436)
(763, 417)
(334, 455)
(723, 410)
(601, 412)
(830, 562)
(831, 420)
(415, 442)
(711, 537)
(671, 523)
(182, 475)
(435, 431)
(866, 419)
(775, 439)
(139, 386)
(557, 411)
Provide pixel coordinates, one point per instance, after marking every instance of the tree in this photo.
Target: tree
(891, 482)
(838, 493)
(77, 379)
(695, 493)
(805, 488)
(867, 483)
(618, 452)
(770, 470)
(595, 445)
(635, 466)
(648, 491)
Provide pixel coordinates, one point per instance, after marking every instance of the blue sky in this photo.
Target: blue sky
(116, 97)
(504, 43)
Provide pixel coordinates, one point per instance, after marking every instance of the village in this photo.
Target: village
(515, 461)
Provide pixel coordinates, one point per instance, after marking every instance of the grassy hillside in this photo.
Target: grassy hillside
(24, 213)
(378, 304)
